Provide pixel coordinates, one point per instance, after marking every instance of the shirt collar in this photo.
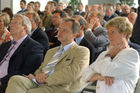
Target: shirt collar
(21, 40)
(78, 39)
(32, 32)
(66, 47)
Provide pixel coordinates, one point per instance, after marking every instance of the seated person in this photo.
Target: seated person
(61, 70)
(135, 38)
(117, 69)
(21, 56)
(4, 33)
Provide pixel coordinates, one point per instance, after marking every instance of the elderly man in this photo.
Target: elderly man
(125, 10)
(109, 13)
(132, 17)
(21, 56)
(36, 32)
(82, 40)
(95, 33)
(62, 67)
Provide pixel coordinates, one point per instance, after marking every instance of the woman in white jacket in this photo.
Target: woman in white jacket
(117, 69)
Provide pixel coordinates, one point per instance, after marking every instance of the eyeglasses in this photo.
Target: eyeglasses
(15, 23)
(111, 32)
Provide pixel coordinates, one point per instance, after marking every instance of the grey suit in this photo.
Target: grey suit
(98, 38)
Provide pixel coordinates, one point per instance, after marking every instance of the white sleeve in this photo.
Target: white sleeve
(88, 72)
(121, 66)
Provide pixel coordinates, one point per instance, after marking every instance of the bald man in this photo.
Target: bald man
(132, 17)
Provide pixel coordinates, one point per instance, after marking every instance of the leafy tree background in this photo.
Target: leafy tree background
(129, 2)
(74, 4)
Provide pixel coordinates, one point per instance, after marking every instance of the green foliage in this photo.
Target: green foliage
(129, 2)
(74, 4)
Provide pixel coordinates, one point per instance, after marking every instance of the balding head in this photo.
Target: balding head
(132, 17)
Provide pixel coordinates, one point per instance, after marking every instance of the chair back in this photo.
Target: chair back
(137, 89)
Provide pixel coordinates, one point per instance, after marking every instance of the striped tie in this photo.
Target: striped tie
(49, 68)
(13, 43)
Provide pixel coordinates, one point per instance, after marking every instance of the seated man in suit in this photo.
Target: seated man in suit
(22, 6)
(80, 10)
(109, 13)
(62, 67)
(21, 56)
(52, 33)
(82, 40)
(95, 33)
(36, 32)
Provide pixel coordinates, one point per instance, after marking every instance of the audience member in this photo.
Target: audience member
(109, 13)
(22, 6)
(117, 69)
(135, 38)
(52, 33)
(68, 12)
(82, 40)
(132, 17)
(94, 7)
(125, 10)
(36, 32)
(60, 74)
(37, 9)
(133, 9)
(21, 56)
(4, 23)
(30, 7)
(8, 11)
(47, 18)
(80, 10)
(59, 7)
(118, 10)
(87, 12)
(97, 34)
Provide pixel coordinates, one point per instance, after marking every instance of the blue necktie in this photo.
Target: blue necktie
(8, 52)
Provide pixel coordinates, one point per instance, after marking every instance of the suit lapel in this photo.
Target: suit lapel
(35, 33)
(22, 45)
(67, 52)
(4, 49)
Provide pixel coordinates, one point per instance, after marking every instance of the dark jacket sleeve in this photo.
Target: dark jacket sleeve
(136, 30)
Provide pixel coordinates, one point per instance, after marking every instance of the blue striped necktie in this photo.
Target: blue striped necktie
(49, 68)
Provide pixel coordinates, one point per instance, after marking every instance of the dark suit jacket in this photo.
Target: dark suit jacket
(22, 11)
(78, 13)
(26, 59)
(85, 42)
(42, 38)
(52, 33)
(136, 30)
(106, 18)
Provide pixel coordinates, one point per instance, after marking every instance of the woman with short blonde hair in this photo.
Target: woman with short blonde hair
(4, 23)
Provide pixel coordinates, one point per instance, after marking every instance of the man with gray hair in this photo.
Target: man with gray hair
(61, 70)
(82, 40)
(20, 56)
(109, 13)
